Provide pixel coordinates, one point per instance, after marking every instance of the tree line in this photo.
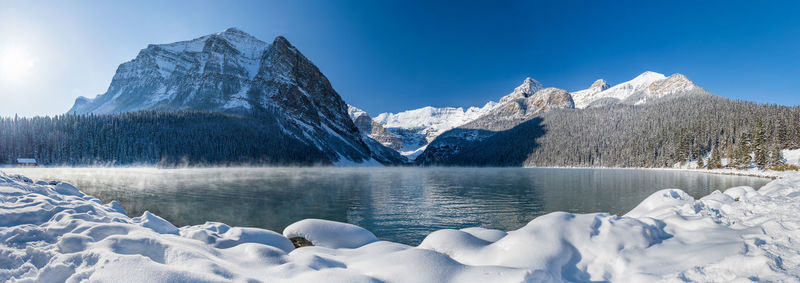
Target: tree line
(153, 138)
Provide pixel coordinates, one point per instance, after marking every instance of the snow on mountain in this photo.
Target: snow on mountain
(419, 127)
(582, 98)
(234, 72)
(619, 92)
(645, 87)
(523, 108)
(526, 89)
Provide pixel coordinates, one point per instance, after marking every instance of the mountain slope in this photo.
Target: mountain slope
(234, 72)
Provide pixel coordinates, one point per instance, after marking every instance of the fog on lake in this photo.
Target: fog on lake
(397, 204)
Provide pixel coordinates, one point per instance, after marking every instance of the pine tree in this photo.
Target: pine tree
(759, 146)
(775, 156)
(742, 157)
(700, 162)
(716, 159)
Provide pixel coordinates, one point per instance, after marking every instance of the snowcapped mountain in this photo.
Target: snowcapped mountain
(647, 86)
(513, 110)
(416, 128)
(213, 72)
(526, 89)
(234, 72)
(419, 127)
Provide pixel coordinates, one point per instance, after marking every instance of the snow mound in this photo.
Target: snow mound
(330, 234)
(54, 233)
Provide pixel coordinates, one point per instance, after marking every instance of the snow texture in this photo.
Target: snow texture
(55, 233)
(647, 86)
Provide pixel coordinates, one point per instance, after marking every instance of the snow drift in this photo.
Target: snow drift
(53, 232)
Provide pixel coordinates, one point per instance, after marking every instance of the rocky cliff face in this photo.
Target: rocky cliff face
(232, 71)
(372, 129)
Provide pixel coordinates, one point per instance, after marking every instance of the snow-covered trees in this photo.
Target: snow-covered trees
(716, 159)
(759, 148)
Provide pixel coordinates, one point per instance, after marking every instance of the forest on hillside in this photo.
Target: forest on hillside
(658, 134)
(152, 138)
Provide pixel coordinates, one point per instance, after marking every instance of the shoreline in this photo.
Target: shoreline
(767, 174)
(756, 173)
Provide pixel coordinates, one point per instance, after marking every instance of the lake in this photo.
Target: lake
(397, 204)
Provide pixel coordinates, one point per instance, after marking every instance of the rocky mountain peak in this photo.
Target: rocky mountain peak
(526, 89)
(599, 85)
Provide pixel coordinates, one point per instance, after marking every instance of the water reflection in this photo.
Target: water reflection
(397, 204)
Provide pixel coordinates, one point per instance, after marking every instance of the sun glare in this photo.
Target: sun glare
(16, 64)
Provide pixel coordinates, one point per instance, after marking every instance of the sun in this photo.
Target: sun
(16, 64)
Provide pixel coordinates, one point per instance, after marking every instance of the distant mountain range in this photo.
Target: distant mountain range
(273, 84)
(416, 129)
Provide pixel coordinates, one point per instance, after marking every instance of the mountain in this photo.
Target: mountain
(671, 131)
(234, 72)
(526, 89)
(645, 87)
(419, 127)
(513, 110)
(416, 128)
(519, 116)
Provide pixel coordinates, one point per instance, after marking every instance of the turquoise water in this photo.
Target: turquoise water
(397, 204)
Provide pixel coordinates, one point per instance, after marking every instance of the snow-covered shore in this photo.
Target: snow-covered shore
(54, 233)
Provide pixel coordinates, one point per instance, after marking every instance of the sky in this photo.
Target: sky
(390, 56)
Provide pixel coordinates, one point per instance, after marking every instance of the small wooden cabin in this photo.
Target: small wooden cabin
(26, 162)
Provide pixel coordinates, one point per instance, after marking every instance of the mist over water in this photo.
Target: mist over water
(397, 204)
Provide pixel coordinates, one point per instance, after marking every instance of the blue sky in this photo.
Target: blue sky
(398, 55)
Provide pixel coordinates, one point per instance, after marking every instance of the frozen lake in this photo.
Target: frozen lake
(397, 204)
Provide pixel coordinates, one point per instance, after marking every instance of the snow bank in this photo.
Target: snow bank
(330, 234)
(792, 156)
(53, 233)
